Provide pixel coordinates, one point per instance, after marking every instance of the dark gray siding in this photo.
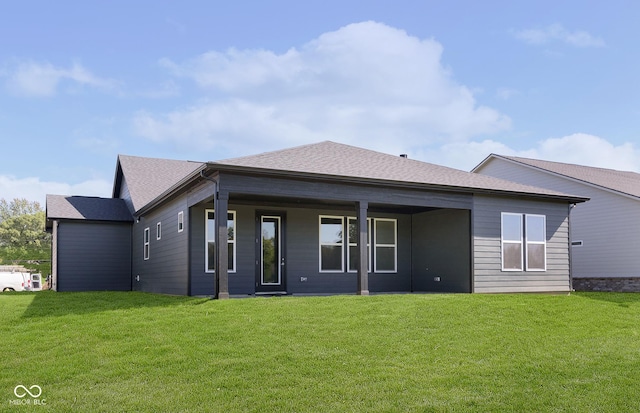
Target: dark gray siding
(242, 281)
(488, 274)
(441, 248)
(302, 254)
(93, 256)
(297, 189)
(166, 271)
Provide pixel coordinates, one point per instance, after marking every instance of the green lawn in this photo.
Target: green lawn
(128, 352)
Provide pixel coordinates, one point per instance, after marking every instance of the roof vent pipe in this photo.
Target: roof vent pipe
(404, 155)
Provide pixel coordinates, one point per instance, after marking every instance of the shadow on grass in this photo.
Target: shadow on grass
(622, 299)
(52, 304)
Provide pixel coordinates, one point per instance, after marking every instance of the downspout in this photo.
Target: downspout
(570, 247)
(215, 194)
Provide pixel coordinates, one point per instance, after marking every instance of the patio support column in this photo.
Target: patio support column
(221, 210)
(363, 256)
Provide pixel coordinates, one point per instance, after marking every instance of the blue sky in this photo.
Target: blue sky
(446, 82)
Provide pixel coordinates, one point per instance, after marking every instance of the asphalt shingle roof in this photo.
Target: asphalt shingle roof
(619, 181)
(87, 208)
(345, 161)
(148, 178)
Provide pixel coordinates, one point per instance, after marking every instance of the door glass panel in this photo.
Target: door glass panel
(270, 250)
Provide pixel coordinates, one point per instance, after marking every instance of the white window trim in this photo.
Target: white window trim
(527, 242)
(159, 231)
(146, 244)
(320, 244)
(180, 221)
(351, 244)
(394, 245)
(503, 242)
(206, 241)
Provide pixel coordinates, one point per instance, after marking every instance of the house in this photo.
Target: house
(605, 232)
(324, 218)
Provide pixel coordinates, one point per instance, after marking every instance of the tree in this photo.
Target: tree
(23, 239)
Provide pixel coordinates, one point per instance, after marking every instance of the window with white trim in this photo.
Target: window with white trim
(511, 242)
(524, 242)
(159, 230)
(331, 244)
(386, 241)
(210, 241)
(353, 255)
(180, 221)
(146, 242)
(536, 242)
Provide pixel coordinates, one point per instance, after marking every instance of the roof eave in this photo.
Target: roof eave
(400, 184)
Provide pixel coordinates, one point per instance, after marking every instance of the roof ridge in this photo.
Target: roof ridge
(122, 155)
(291, 148)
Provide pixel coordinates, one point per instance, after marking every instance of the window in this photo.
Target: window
(577, 243)
(331, 242)
(180, 221)
(536, 235)
(159, 230)
(352, 252)
(210, 247)
(145, 248)
(511, 242)
(385, 256)
(528, 231)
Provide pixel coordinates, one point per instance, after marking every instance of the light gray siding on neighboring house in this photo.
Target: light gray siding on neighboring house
(166, 271)
(487, 261)
(608, 224)
(441, 248)
(92, 256)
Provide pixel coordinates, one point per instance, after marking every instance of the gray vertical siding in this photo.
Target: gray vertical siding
(487, 261)
(54, 255)
(166, 271)
(441, 248)
(93, 256)
(608, 224)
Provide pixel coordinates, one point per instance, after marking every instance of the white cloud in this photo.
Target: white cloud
(584, 149)
(578, 148)
(366, 82)
(34, 189)
(34, 79)
(556, 32)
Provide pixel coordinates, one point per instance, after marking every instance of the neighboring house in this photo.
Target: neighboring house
(325, 218)
(605, 232)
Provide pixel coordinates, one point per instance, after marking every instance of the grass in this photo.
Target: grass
(129, 352)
